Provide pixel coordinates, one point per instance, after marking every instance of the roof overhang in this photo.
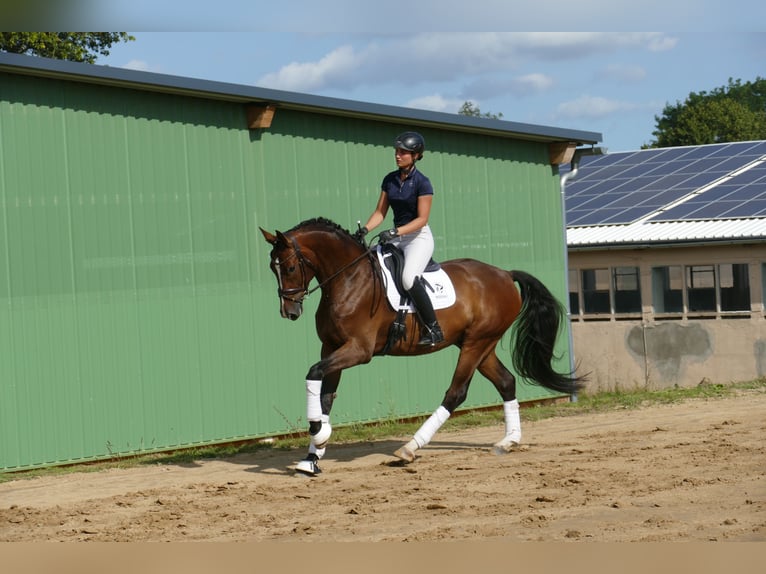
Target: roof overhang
(178, 85)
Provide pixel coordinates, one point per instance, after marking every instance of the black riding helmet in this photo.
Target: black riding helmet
(410, 141)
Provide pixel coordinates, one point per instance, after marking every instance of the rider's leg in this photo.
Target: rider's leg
(432, 332)
(418, 249)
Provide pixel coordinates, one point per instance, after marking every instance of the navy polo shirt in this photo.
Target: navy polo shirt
(403, 195)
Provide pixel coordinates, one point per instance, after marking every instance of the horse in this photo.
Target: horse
(354, 320)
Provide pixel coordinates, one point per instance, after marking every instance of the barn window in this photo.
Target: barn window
(700, 287)
(763, 287)
(734, 287)
(667, 289)
(595, 291)
(574, 292)
(627, 291)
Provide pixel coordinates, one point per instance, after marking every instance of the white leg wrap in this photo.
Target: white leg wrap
(426, 432)
(313, 404)
(320, 439)
(512, 437)
(512, 421)
(317, 451)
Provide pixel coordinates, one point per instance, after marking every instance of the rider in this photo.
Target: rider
(409, 193)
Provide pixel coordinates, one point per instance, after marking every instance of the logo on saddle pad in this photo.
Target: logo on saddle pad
(438, 285)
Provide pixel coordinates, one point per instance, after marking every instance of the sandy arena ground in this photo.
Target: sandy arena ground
(694, 471)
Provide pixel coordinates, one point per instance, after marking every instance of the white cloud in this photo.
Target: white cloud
(139, 65)
(336, 66)
(436, 103)
(623, 73)
(592, 107)
(662, 43)
(142, 66)
(445, 57)
(532, 83)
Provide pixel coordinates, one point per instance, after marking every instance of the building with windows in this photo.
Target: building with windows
(667, 265)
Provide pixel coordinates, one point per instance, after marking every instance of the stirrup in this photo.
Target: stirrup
(432, 336)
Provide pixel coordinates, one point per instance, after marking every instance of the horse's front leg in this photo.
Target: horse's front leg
(322, 383)
(320, 395)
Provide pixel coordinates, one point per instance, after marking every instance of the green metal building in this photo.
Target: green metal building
(137, 309)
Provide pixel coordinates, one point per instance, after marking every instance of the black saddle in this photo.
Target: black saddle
(395, 264)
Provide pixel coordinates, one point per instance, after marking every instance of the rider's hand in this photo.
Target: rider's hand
(388, 235)
(360, 233)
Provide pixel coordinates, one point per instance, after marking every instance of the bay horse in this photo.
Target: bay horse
(353, 321)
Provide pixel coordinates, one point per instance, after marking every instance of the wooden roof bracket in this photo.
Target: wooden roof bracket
(561, 152)
(259, 116)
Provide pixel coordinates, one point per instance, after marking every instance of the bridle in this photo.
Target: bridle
(304, 291)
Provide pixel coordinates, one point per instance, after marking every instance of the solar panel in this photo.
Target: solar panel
(627, 215)
(627, 186)
(749, 176)
(591, 217)
(719, 202)
(699, 152)
(718, 192)
(753, 208)
(703, 179)
(667, 168)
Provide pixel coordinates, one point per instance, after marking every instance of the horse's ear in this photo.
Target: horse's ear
(268, 236)
(282, 239)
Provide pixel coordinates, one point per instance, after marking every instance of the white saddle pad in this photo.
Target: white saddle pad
(442, 295)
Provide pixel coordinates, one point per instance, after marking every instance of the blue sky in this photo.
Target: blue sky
(433, 57)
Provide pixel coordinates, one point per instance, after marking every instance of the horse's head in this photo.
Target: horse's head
(293, 272)
(314, 248)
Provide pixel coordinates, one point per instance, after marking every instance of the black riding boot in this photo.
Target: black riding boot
(432, 332)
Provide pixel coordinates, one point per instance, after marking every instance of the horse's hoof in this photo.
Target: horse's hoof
(405, 454)
(308, 467)
(505, 447)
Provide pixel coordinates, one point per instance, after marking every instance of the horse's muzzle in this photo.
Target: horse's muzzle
(291, 310)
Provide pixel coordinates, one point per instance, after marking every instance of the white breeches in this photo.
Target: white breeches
(418, 248)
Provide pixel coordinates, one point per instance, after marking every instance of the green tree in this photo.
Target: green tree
(73, 46)
(469, 109)
(735, 112)
(715, 121)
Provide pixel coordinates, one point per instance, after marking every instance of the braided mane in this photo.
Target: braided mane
(322, 222)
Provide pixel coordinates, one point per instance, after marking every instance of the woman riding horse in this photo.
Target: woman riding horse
(410, 194)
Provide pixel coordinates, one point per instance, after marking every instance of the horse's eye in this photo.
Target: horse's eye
(291, 269)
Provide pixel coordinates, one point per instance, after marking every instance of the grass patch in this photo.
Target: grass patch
(387, 429)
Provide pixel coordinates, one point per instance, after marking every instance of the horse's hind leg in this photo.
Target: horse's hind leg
(453, 398)
(505, 383)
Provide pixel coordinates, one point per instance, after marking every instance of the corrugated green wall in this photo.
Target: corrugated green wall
(137, 309)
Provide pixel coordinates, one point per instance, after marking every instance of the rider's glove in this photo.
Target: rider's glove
(360, 233)
(388, 235)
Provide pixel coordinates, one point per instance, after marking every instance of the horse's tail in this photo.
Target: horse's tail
(537, 328)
